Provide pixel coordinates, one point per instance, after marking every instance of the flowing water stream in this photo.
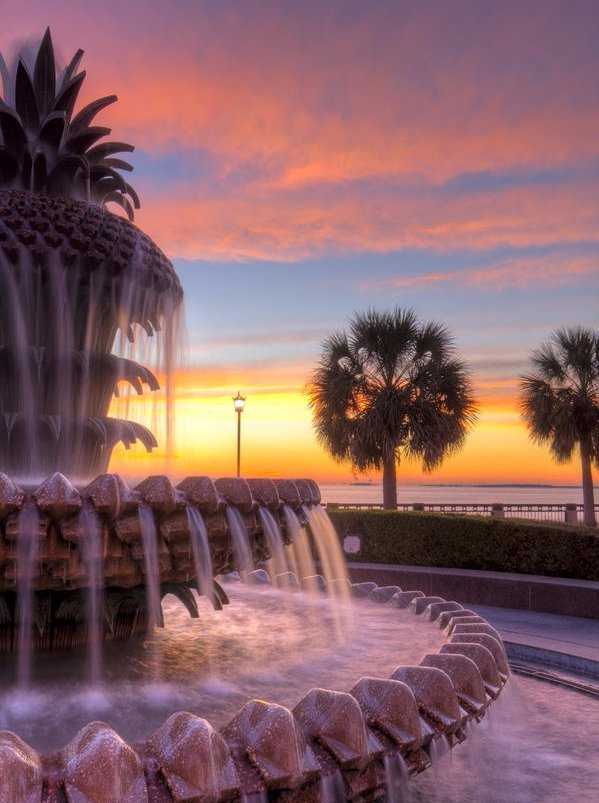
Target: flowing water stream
(201, 552)
(278, 560)
(149, 539)
(26, 562)
(93, 559)
(240, 541)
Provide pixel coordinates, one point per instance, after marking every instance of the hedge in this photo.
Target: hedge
(470, 542)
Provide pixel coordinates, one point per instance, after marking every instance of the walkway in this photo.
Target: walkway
(567, 643)
(550, 639)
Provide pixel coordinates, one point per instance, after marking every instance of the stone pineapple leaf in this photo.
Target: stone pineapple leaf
(72, 65)
(83, 118)
(118, 164)
(66, 178)
(44, 75)
(9, 166)
(25, 100)
(46, 148)
(97, 154)
(52, 129)
(67, 97)
(117, 197)
(85, 139)
(13, 134)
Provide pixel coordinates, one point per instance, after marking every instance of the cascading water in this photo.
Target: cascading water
(149, 539)
(327, 547)
(61, 368)
(198, 535)
(92, 553)
(396, 779)
(278, 564)
(332, 564)
(332, 788)
(240, 540)
(24, 399)
(440, 754)
(28, 526)
(254, 797)
(301, 554)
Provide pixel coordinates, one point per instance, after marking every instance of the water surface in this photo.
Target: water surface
(267, 644)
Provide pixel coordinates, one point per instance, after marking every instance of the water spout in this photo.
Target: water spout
(28, 528)
(149, 536)
(240, 540)
(301, 554)
(198, 535)
(332, 788)
(93, 558)
(278, 564)
(396, 778)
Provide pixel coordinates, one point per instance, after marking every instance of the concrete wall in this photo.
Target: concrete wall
(520, 591)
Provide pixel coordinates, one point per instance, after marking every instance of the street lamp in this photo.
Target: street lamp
(238, 404)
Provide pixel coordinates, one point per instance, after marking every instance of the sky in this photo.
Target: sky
(302, 161)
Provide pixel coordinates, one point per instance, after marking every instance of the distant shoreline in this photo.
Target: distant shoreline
(462, 485)
(496, 485)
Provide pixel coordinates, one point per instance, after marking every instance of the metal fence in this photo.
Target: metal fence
(569, 513)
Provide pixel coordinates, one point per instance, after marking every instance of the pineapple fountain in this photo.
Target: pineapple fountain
(85, 558)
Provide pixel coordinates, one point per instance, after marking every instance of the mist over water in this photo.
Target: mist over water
(267, 644)
(536, 744)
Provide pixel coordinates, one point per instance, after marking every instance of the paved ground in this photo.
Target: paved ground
(568, 644)
(563, 642)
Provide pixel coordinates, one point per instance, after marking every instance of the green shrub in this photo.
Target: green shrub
(471, 542)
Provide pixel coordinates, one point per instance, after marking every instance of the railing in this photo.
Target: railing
(569, 513)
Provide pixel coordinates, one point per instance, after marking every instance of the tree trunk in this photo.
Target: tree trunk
(389, 484)
(588, 495)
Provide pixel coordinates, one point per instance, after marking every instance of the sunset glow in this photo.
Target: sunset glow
(278, 440)
(299, 162)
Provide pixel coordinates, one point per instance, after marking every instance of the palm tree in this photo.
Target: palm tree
(390, 389)
(560, 402)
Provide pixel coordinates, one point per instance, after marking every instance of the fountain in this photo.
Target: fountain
(85, 559)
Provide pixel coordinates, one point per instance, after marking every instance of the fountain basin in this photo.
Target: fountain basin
(288, 749)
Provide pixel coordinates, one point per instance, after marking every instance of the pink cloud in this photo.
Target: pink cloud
(288, 226)
(553, 269)
(332, 97)
(337, 93)
(334, 108)
(263, 338)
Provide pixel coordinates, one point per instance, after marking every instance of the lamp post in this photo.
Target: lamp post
(238, 404)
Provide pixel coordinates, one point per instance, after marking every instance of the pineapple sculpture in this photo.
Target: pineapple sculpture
(73, 276)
